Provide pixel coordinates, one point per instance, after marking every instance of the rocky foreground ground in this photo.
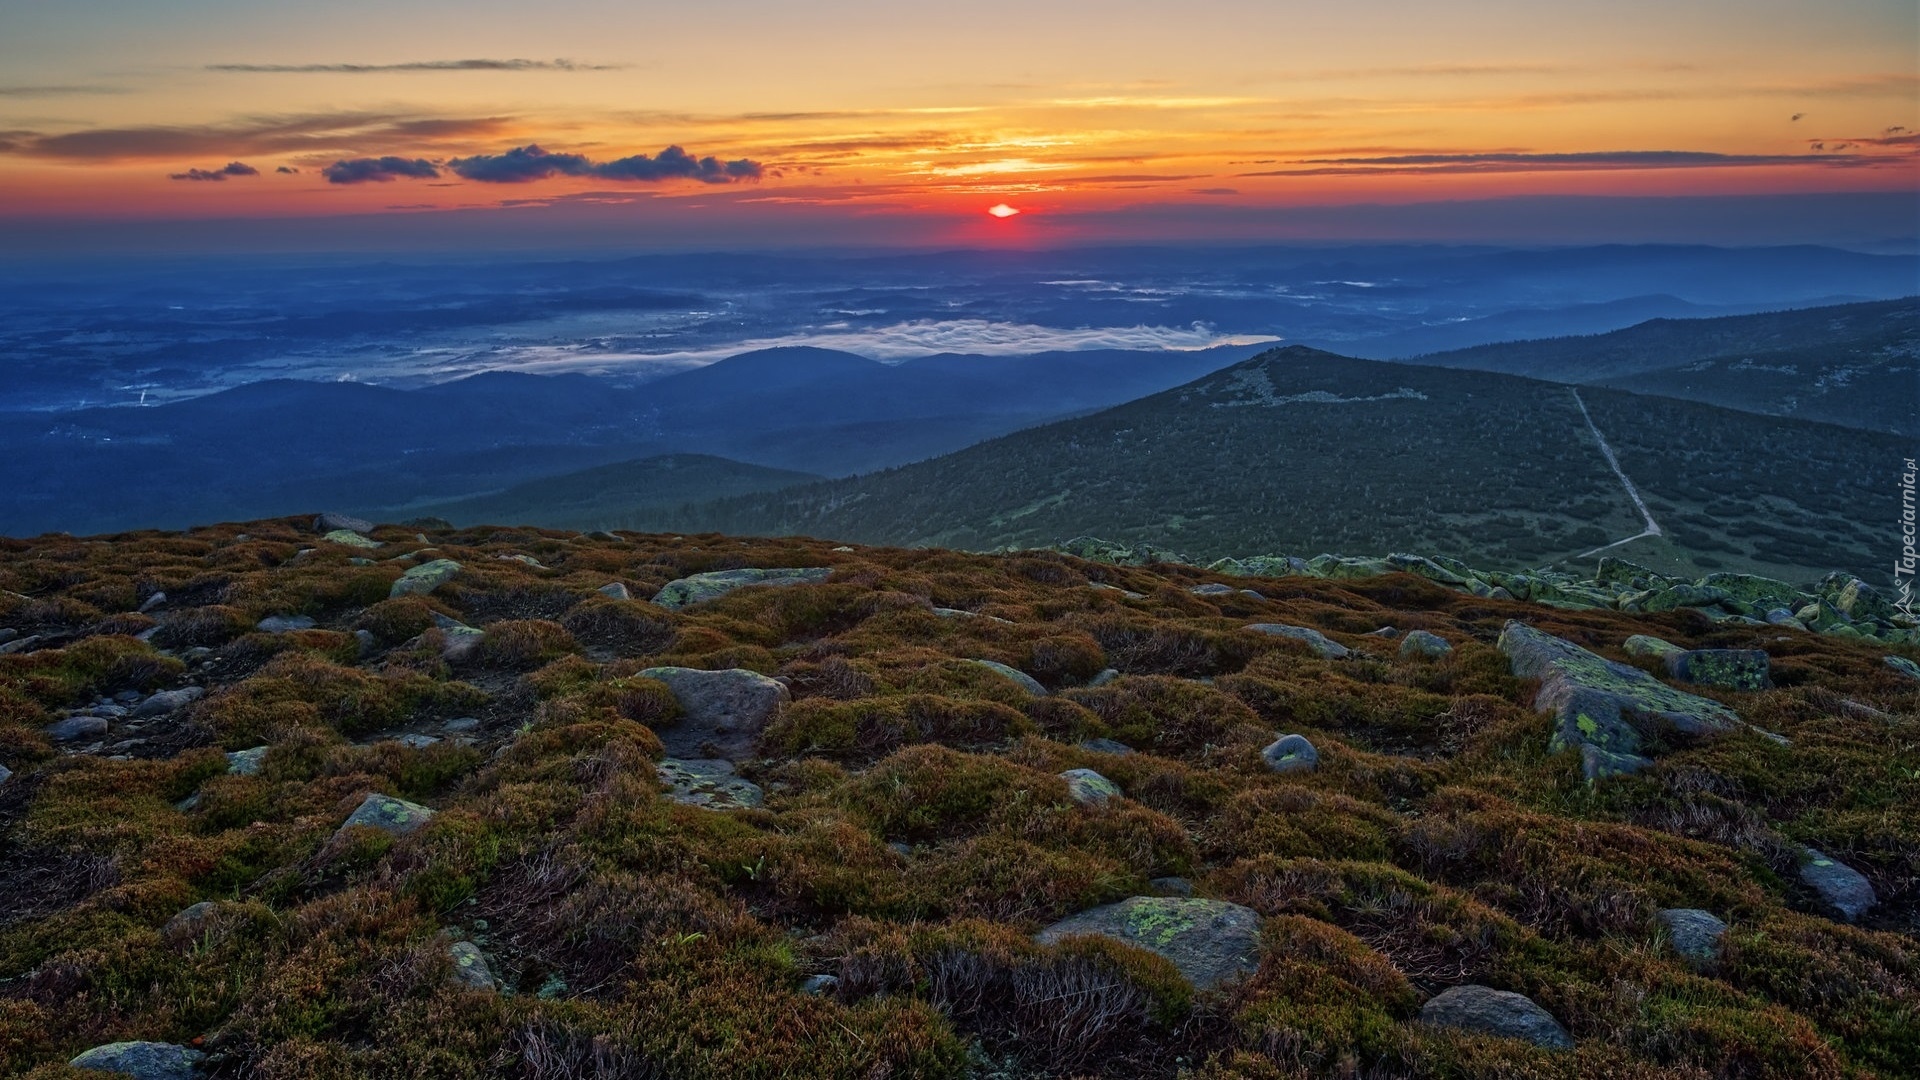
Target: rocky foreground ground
(315, 799)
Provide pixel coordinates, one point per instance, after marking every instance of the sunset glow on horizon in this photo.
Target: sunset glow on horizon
(213, 109)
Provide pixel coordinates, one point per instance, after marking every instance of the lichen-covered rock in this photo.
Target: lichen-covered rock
(1106, 746)
(349, 538)
(1731, 669)
(1902, 665)
(143, 1060)
(1755, 591)
(1603, 709)
(423, 579)
(1845, 891)
(1094, 549)
(1486, 1011)
(699, 588)
(707, 782)
(722, 712)
(1211, 942)
(1315, 640)
(1424, 645)
(1647, 645)
(1089, 788)
(246, 762)
(1675, 597)
(615, 590)
(1291, 754)
(397, 817)
(284, 624)
(1213, 588)
(1695, 934)
(470, 967)
(1025, 681)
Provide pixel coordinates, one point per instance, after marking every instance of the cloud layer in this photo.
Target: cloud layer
(528, 163)
(379, 170)
(231, 168)
(416, 65)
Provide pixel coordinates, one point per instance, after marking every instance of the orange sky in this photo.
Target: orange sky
(1060, 109)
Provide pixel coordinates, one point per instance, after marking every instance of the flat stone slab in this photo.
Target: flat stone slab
(1487, 1011)
(1317, 641)
(1729, 669)
(285, 624)
(167, 701)
(1089, 788)
(143, 1060)
(708, 783)
(1606, 710)
(349, 538)
(1013, 674)
(423, 579)
(1695, 934)
(75, 728)
(1106, 746)
(390, 815)
(1291, 754)
(1845, 891)
(1211, 942)
(699, 588)
(723, 712)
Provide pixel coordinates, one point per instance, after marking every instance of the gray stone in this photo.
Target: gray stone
(1845, 891)
(1384, 632)
(1902, 665)
(616, 590)
(284, 624)
(817, 985)
(1317, 641)
(1105, 676)
(1211, 942)
(6, 774)
(699, 588)
(423, 579)
(1025, 681)
(959, 613)
(1695, 934)
(74, 728)
(1423, 645)
(723, 712)
(143, 1060)
(1487, 1011)
(328, 522)
(364, 643)
(1213, 589)
(20, 645)
(1089, 788)
(1171, 886)
(708, 783)
(470, 967)
(1106, 746)
(1291, 754)
(462, 724)
(1605, 709)
(1730, 669)
(8, 633)
(349, 538)
(247, 762)
(167, 701)
(1647, 645)
(415, 741)
(395, 816)
(152, 602)
(190, 925)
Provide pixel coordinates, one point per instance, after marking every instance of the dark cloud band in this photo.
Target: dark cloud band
(528, 163)
(413, 65)
(231, 168)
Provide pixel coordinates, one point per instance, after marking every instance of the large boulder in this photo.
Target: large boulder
(700, 588)
(1014, 675)
(1211, 942)
(1486, 1011)
(1607, 711)
(1315, 640)
(722, 712)
(1845, 892)
(708, 783)
(1291, 754)
(1424, 645)
(423, 579)
(143, 1060)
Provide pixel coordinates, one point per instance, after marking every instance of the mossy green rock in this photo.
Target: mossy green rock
(1648, 645)
(1729, 669)
(1681, 596)
(350, 539)
(1424, 645)
(1211, 942)
(1756, 591)
(470, 968)
(390, 815)
(699, 588)
(1089, 788)
(707, 783)
(423, 579)
(1903, 665)
(143, 1060)
(1612, 708)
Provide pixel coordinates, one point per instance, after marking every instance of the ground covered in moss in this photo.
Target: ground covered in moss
(873, 909)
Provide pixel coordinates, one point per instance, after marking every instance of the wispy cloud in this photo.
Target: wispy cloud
(1401, 164)
(368, 133)
(58, 90)
(231, 168)
(415, 65)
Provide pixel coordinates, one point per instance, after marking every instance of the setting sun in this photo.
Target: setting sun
(1002, 210)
